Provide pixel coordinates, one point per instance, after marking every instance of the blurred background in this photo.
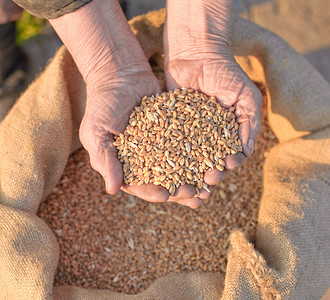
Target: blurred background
(304, 24)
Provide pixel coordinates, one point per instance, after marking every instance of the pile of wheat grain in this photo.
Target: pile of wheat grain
(173, 138)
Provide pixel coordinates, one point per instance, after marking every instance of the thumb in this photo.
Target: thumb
(248, 112)
(102, 154)
(113, 175)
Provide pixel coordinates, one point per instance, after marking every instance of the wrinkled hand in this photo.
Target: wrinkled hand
(107, 112)
(197, 56)
(224, 79)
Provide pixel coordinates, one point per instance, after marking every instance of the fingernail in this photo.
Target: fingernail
(251, 145)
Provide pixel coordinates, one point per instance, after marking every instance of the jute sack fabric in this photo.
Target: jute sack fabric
(289, 258)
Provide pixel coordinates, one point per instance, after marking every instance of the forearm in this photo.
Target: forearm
(100, 40)
(203, 25)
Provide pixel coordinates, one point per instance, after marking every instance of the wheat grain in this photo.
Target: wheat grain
(183, 133)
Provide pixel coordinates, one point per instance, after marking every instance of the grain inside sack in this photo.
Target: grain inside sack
(173, 138)
(123, 244)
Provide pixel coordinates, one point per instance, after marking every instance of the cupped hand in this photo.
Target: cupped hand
(198, 56)
(220, 76)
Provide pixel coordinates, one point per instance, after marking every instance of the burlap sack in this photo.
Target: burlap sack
(290, 256)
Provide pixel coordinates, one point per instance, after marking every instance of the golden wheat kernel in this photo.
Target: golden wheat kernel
(220, 168)
(172, 189)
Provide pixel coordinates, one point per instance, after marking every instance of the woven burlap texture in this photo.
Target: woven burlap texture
(290, 256)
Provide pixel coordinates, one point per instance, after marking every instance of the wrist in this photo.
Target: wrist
(100, 41)
(196, 27)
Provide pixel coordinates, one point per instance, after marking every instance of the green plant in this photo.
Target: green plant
(28, 26)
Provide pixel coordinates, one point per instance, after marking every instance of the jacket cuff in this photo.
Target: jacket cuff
(51, 9)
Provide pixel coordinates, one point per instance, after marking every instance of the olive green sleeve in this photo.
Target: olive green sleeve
(49, 9)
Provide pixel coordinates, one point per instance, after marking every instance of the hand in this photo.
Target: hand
(203, 61)
(109, 104)
(224, 79)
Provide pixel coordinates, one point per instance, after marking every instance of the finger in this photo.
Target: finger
(103, 156)
(184, 191)
(214, 176)
(148, 192)
(204, 194)
(113, 170)
(244, 132)
(248, 111)
(193, 203)
(234, 161)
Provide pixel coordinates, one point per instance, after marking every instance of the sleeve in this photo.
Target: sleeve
(49, 9)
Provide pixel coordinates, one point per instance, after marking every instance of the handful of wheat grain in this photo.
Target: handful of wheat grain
(173, 138)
